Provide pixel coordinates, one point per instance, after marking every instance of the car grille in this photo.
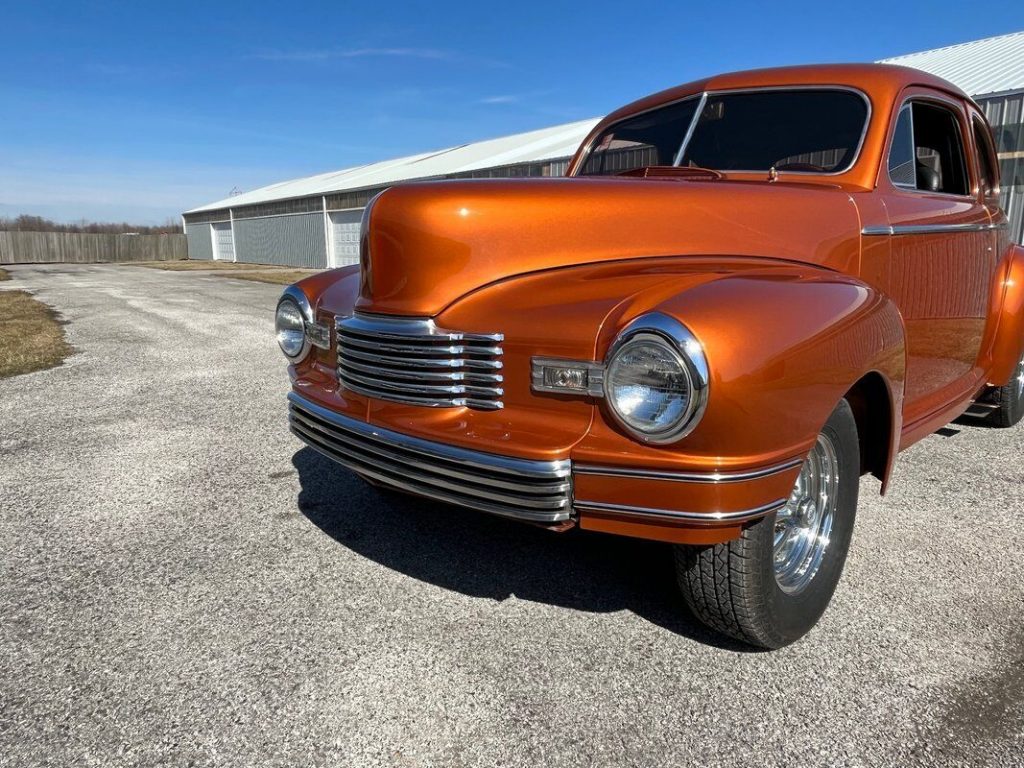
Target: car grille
(539, 491)
(410, 360)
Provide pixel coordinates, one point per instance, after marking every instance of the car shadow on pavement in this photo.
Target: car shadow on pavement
(481, 555)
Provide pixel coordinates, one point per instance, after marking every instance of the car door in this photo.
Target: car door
(941, 258)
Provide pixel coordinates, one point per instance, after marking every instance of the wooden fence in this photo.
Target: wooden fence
(76, 248)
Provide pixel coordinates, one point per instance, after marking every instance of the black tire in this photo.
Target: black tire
(732, 587)
(1010, 400)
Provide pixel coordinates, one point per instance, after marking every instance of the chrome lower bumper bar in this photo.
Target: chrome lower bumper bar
(538, 491)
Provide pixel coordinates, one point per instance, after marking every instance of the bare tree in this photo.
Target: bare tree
(28, 223)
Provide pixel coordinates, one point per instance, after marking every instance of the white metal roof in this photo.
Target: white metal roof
(981, 67)
(545, 144)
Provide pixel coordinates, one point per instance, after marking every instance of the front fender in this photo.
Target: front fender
(784, 345)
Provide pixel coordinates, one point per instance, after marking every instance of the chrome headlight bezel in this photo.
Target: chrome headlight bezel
(679, 342)
(683, 346)
(297, 298)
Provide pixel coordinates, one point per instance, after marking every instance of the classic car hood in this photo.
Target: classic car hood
(431, 243)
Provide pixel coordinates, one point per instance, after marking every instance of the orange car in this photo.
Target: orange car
(749, 291)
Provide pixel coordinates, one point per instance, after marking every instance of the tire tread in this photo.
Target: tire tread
(731, 587)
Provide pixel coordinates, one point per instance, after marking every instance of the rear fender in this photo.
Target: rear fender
(1007, 318)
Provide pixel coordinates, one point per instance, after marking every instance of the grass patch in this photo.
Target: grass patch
(190, 265)
(279, 276)
(31, 337)
(4, 274)
(261, 273)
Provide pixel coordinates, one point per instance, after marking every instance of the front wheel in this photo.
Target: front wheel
(770, 586)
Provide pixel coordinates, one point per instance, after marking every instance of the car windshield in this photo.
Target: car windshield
(805, 130)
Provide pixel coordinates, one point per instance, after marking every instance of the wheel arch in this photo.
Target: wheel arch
(878, 425)
(1008, 342)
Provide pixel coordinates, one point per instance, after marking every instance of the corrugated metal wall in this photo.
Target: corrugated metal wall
(297, 240)
(200, 244)
(1006, 115)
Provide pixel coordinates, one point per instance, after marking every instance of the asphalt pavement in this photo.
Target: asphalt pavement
(182, 583)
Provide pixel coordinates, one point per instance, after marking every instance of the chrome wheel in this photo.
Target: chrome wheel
(803, 526)
(1020, 379)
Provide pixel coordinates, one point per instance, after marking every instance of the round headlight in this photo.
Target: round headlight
(656, 379)
(648, 386)
(291, 328)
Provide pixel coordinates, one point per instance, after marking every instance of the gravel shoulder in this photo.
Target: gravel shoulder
(183, 583)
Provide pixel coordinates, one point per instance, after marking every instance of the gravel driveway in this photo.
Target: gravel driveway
(184, 584)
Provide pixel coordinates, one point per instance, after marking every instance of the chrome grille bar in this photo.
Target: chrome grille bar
(411, 360)
(428, 362)
(423, 375)
(539, 491)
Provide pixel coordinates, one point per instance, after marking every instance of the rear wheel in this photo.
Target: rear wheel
(1010, 400)
(770, 586)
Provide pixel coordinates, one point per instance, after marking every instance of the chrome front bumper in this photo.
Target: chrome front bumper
(538, 491)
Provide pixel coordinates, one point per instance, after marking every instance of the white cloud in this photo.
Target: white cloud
(509, 98)
(356, 53)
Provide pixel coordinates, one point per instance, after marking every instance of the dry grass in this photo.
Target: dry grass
(262, 273)
(4, 274)
(190, 265)
(31, 337)
(280, 276)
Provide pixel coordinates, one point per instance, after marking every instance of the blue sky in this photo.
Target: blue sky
(139, 110)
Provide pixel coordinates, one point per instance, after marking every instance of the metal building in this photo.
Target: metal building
(314, 222)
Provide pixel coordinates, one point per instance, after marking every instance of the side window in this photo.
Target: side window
(938, 150)
(927, 151)
(901, 154)
(986, 159)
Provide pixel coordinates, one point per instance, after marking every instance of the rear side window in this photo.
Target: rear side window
(986, 158)
(937, 161)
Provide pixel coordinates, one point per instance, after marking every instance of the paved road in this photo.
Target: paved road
(183, 584)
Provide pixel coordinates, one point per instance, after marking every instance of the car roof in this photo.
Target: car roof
(877, 81)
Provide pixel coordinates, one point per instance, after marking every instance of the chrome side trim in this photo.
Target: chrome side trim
(742, 516)
(539, 491)
(685, 477)
(928, 229)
